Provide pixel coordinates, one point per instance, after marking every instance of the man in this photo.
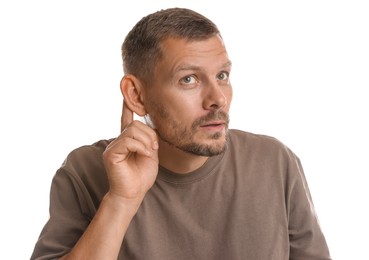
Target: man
(181, 186)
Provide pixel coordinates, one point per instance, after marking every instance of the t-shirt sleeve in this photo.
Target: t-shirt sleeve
(306, 238)
(68, 217)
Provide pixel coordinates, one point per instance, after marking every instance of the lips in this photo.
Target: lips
(215, 120)
(213, 124)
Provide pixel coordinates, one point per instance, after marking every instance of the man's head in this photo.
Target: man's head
(177, 76)
(142, 48)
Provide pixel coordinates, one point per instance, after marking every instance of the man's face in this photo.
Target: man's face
(189, 98)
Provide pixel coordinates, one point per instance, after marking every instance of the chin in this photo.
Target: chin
(216, 146)
(204, 150)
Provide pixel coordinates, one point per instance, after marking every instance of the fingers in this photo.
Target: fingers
(136, 138)
(127, 116)
(121, 149)
(138, 134)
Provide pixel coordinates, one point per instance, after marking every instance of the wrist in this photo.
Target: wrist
(121, 204)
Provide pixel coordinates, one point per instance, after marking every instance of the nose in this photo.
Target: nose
(214, 96)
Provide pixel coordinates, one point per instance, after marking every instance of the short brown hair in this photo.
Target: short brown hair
(141, 47)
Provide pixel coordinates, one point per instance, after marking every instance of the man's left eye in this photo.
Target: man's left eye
(223, 75)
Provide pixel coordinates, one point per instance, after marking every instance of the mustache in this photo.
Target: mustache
(212, 116)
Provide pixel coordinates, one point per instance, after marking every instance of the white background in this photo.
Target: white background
(300, 73)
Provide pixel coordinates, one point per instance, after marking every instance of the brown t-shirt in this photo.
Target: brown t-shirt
(251, 202)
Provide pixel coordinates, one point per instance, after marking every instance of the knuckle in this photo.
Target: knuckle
(153, 134)
(106, 155)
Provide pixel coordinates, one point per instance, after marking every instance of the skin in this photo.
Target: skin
(191, 85)
(187, 105)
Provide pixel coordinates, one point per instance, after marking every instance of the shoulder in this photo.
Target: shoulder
(245, 139)
(265, 156)
(265, 148)
(84, 165)
(87, 153)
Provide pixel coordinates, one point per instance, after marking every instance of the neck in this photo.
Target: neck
(177, 160)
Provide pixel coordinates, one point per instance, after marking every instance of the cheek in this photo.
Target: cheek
(228, 93)
(182, 104)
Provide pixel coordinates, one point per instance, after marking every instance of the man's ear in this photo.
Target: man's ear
(132, 88)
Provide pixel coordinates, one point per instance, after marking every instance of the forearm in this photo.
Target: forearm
(103, 237)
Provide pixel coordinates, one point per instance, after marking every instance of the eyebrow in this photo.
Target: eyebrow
(186, 67)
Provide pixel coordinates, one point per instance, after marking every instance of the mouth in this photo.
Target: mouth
(214, 125)
(214, 122)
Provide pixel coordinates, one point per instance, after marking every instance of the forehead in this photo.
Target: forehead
(207, 54)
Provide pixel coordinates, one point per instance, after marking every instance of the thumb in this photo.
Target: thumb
(127, 117)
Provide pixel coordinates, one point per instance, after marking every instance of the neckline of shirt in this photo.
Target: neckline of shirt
(187, 178)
